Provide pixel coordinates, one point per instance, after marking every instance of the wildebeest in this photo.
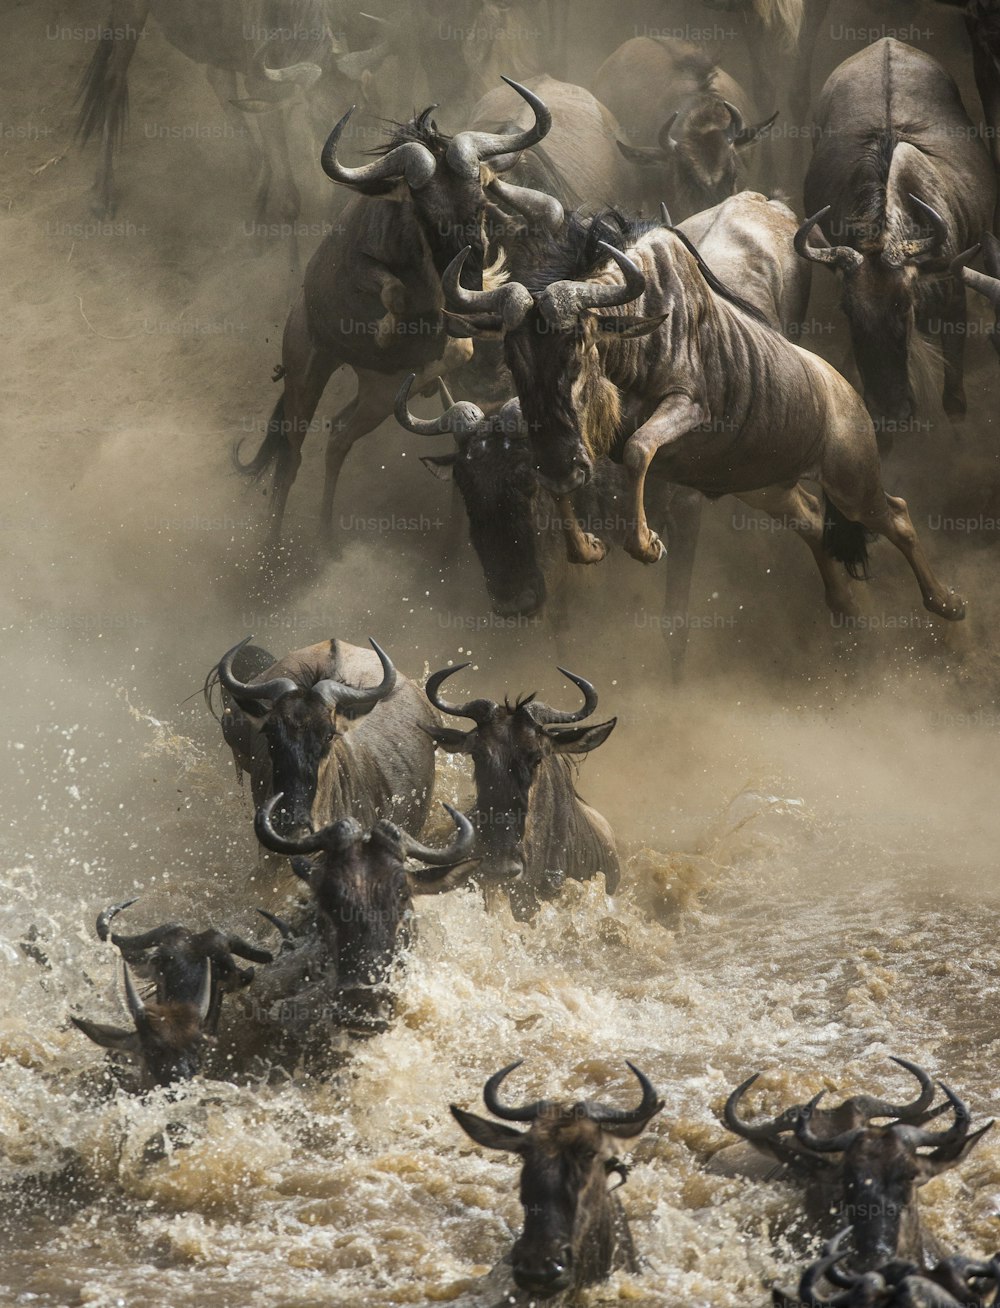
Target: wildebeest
(684, 120)
(372, 296)
(898, 184)
(532, 828)
(954, 1282)
(293, 728)
(640, 352)
(522, 537)
(575, 1229)
(191, 971)
(336, 969)
(874, 1179)
(274, 46)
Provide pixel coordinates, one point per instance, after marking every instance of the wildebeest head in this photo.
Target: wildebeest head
(568, 1157)
(444, 177)
(300, 725)
(879, 287)
(571, 409)
(987, 283)
(491, 467)
(877, 1169)
(362, 886)
(696, 156)
(168, 1038)
(509, 745)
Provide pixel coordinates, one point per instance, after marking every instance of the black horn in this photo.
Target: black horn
(818, 1143)
(455, 852)
(543, 210)
(507, 1113)
(410, 162)
(927, 245)
(104, 919)
(336, 695)
(649, 1105)
(546, 716)
(469, 149)
(510, 302)
(785, 1121)
(265, 690)
(279, 844)
(567, 299)
(841, 257)
(457, 419)
(478, 710)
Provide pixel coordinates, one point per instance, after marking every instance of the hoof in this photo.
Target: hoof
(951, 608)
(587, 549)
(647, 548)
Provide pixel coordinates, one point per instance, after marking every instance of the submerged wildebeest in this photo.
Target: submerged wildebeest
(522, 537)
(872, 1182)
(191, 971)
(684, 120)
(642, 353)
(335, 970)
(532, 829)
(274, 46)
(898, 184)
(296, 727)
(575, 1229)
(372, 297)
(954, 1282)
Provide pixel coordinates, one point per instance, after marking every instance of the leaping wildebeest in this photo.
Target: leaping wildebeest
(575, 1229)
(899, 183)
(333, 727)
(866, 1173)
(532, 829)
(642, 353)
(372, 296)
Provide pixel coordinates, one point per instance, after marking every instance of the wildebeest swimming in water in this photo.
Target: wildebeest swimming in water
(335, 728)
(575, 1230)
(863, 1173)
(642, 353)
(532, 829)
(898, 184)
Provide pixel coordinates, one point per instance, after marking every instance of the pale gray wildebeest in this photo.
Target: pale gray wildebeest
(372, 297)
(641, 353)
(336, 967)
(898, 184)
(522, 538)
(533, 831)
(860, 1173)
(191, 972)
(954, 1282)
(336, 729)
(684, 121)
(575, 1230)
(259, 55)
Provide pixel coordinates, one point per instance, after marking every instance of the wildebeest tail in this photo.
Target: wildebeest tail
(101, 95)
(270, 446)
(846, 541)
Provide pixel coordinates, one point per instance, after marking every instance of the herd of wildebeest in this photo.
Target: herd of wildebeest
(617, 314)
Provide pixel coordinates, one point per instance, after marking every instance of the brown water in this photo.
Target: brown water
(811, 823)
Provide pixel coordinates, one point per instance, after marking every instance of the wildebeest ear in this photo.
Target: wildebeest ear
(931, 1166)
(439, 465)
(109, 1037)
(628, 326)
(451, 739)
(642, 154)
(253, 708)
(580, 740)
(491, 1135)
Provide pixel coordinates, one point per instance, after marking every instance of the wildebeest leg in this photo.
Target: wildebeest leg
(581, 546)
(802, 513)
(104, 95)
(682, 525)
(675, 416)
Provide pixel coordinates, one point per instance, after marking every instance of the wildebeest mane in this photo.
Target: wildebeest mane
(421, 128)
(719, 287)
(521, 702)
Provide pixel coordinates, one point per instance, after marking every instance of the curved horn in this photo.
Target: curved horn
(469, 149)
(841, 257)
(736, 124)
(455, 852)
(411, 162)
(982, 282)
(567, 299)
(927, 244)
(665, 136)
(822, 1144)
(959, 1129)
(136, 1007)
(526, 1113)
(203, 1002)
(665, 218)
(458, 419)
(478, 710)
(104, 919)
(279, 924)
(650, 1104)
(279, 844)
(873, 1107)
(336, 695)
(303, 74)
(510, 301)
(546, 716)
(785, 1121)
(536, 206)
(269, 690)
